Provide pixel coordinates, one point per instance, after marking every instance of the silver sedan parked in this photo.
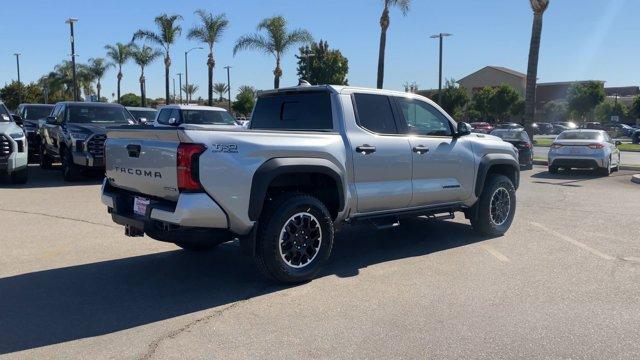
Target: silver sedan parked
(584, 149)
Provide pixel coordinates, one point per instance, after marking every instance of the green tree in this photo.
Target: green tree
(325, 66)
(481, 103)
(245, 100)
(277, 41)
(538, 7)
(555, 111)
(98, 67)
(454, 97)
(220, 89)
(583, 98)
(119, 53)
(209, 32)
(634, 111)
(190, 90)
(608, 108)
(130, 99)
(502, 101)
(385, 21)
(144, 56)
(168, 33)
(31, 93)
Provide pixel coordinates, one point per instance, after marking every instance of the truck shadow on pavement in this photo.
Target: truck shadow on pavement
(54, 306)
(571, 177)
(39, 178)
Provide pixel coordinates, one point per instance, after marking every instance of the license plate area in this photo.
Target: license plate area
(140, 205)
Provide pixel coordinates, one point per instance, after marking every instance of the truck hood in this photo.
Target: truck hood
(9, 128)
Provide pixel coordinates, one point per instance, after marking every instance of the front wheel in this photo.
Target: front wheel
(70, 171)
(493, 214)
(45, 160)
(295, 238)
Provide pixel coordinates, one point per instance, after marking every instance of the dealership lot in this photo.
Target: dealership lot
(563, 283)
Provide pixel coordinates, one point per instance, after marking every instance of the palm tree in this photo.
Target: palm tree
(143, 56)
(220, 89)
(538, 7)
(276, 42)
(119, 54)
(209, 32)
(190, 90)
(85, 79)
(168, 33)
(98, 67)
(384, 26)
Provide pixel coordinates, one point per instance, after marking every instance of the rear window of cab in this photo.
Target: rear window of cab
(305, 111)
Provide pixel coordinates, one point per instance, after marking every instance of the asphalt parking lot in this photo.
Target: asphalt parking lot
(563, 283)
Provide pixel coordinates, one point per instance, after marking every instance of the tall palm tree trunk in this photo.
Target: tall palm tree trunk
(384, 25)
(119, 79)
(532, 73)
(210, 64)
(167, 65)
(277, 73)
(143, 95)
(99, 87)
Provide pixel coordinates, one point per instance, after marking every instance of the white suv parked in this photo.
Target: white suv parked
(13, 147)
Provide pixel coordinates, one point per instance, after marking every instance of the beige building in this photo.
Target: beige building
(494, 76)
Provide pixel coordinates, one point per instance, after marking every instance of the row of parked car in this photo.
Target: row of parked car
(556, 128)
(73, 133)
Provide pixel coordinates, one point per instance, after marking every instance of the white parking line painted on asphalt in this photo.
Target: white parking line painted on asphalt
(632, 259)
(573, 241)
(498, 255)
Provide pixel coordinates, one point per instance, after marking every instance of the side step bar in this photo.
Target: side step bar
(394, 221)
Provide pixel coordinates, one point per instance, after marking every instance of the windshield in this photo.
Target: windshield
(148, 115)
(509, 135)
(578, 135)
(207, 117)
(98, 115)
(4, 114)
(37, 112)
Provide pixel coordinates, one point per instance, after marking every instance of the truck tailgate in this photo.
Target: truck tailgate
(143, 160)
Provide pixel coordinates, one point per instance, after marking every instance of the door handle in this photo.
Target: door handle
(420, 149)
(366, 149)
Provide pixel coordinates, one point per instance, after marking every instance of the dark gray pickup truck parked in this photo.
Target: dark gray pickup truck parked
(32, 115)
(313, 158)
(74, 134)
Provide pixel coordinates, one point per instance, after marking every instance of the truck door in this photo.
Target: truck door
(49, 136)
(382, 156)
(443, 165)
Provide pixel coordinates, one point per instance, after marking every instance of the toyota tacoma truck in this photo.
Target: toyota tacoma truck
(13, 147)
(74, 134)
(313, 158)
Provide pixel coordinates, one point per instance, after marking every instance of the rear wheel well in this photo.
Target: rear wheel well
(321, 186)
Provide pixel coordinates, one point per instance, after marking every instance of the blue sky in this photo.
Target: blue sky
(582, 39)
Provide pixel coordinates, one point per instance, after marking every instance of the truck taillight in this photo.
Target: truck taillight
(188, 167)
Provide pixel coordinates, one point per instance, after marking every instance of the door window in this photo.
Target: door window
(163, 116)
(374, 113)
(423, 119)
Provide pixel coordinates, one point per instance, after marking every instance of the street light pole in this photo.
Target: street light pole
(174, 89)
(440, 36)
(19, 83)
(180, 86)
(229, 85)
(186, 70)
(71, 21)
(308, 55)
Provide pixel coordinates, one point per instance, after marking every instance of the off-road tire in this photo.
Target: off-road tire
(481, 218)
(270, 226)
(44, 159)
(20, 176)
(70, 171)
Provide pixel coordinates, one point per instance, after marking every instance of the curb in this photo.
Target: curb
(622, 167)
(635, 179)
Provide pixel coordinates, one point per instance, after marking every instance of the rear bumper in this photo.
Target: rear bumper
(576, 162)
(192, 210)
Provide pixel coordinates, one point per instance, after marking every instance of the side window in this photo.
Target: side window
(175, 114)
(374, 113)
(424, 119)
(163, 116)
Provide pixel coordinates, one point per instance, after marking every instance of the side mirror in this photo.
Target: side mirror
(17, 119)
(142, 120)
(618, 143)
(51, 120)
(463, 129)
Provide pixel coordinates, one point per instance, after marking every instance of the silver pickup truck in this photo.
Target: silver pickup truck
(312, 159)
